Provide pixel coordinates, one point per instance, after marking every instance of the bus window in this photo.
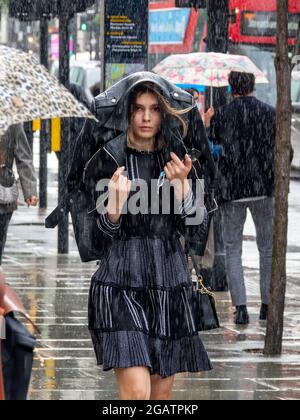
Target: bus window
(264, 59)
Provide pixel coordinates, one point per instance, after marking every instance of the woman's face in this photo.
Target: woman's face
(146, 117)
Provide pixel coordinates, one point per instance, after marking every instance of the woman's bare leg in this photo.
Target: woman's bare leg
(161, 389)
(133, 383)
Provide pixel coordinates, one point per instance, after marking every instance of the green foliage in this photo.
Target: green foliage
(4, 2)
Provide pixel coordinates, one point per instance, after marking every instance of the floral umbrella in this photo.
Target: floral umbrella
(29, 92)
(206, 69)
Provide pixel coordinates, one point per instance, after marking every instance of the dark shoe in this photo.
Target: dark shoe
(264, 312)
(241, 315)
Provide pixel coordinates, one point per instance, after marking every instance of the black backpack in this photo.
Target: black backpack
(16, 346)
(17, 358)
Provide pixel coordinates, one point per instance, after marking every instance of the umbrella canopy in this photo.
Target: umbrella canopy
(206, 69)
(29, 92)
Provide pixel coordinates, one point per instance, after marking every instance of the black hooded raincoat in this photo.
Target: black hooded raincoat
(141, 297)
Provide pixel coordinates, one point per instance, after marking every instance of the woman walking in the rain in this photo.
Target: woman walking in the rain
(140, 307)
(14, 147)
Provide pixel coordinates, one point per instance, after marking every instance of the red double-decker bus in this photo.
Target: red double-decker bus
(174, 30)
(255, 22)
(252, 32)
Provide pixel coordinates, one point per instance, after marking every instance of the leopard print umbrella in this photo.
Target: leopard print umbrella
(29, 92)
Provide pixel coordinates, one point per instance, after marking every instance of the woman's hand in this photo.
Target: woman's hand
(178, 170)
(32, 201)
(119, 189)
(208, 116)
(177, 173)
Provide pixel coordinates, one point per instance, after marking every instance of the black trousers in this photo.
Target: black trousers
(4, 223)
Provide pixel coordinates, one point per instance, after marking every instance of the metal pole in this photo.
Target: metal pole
(75, 33)
(218, 38)
(44, 134)
(97, 33)
(64, 72)
(90, 40)
(29, 133)
(218, 41)
(24, 46)
(102, 43)
(148, 40)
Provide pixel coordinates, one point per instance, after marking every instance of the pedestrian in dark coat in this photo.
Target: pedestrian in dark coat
(246, 130)
(14, 148)
(140, 305)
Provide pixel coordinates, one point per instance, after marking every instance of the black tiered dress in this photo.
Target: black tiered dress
(140, 304)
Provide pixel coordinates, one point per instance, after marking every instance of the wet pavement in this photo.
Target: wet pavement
(55, 291)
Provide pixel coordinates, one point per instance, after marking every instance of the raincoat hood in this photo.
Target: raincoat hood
(111, 106)
(109, 133)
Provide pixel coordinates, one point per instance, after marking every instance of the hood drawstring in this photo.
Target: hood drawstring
(161, 181)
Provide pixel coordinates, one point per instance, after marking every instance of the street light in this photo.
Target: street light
(85, 23)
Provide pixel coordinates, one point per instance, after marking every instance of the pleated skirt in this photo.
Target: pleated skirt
(140, 309)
